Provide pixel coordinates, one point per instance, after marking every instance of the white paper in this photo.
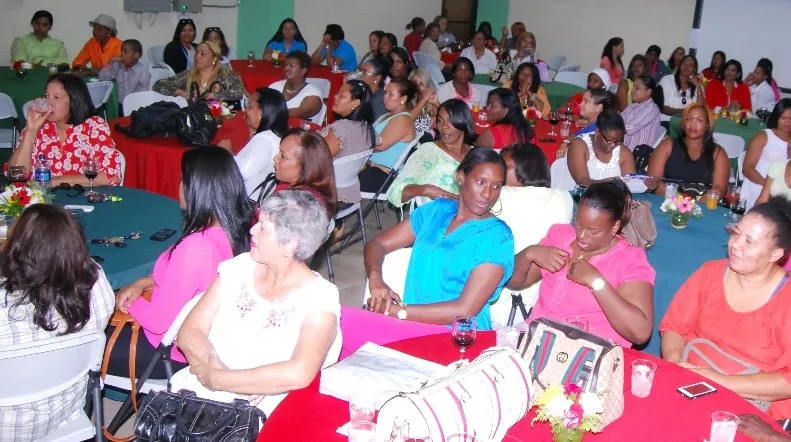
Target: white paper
(694, 38)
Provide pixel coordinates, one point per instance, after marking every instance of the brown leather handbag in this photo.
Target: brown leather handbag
(640, 231)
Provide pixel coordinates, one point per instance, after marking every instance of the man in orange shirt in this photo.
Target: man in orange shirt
(100, 49)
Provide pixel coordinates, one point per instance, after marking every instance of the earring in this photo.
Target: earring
(214, 63)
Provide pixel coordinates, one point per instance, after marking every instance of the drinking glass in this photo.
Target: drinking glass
(577, 321)
(250, 58)
(554, 118)
(723, 426)
(362, 431)
(734, 193)
(463, 332)
(90, 168)
(17, 174)
(5, 226)
(507, 337)
(40, 105)
(578, 192)
(731, 220)
(643, 372)
(712, 199)
(739, 207)
(362, 406)
(671, 190)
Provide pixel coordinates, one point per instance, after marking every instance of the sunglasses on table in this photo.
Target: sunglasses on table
(78, 188)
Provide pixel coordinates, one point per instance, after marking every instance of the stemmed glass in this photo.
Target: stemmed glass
(554, 118)
(250, 58)
(463, 331)
(90, 168)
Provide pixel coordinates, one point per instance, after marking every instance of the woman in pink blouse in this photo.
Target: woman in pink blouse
(589, 271)
(611, 59)
(216, 228)
(66, 134)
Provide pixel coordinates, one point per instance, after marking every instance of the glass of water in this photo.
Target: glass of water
(362, 406)
(723, 426)
(250, 58)
(362, 431)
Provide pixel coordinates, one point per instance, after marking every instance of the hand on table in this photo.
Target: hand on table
(652, 183)
(382, 298)
(582, 272)
(548, 258)
(759, 430)
(434, 192)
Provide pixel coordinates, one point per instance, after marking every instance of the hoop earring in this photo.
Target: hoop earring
(498, 211)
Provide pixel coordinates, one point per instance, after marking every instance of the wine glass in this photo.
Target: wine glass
(463, 332)
(554, 118)
(739, 207)
(250, 58)
(90, 168)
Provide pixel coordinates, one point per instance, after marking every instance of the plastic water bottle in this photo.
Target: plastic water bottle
(43, 173)
(565, 128)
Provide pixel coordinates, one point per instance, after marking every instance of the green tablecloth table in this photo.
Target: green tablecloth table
(139, 211)
(557, 93)
(22, 91)
(726, 126)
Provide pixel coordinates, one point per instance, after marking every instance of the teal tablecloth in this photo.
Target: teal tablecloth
(726, 126)
(139, 211)
(557, 93)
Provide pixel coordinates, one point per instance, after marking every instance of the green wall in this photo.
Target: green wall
(495, 12)
(258, 21)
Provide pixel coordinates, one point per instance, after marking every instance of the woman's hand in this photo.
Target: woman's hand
(35, 120)
(687, 365)
(694, 80)
(127, 296)
(434, 192)
(582, 272)
(182, 93)
(562, 150)
(206, 373)
(651, 183)
(759, 430)
(505, 31)
(548, 258)
(382, 298)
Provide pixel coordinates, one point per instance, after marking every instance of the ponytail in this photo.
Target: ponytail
(612, 197)
(657, 92)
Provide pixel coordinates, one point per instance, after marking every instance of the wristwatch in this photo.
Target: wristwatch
(402, 312)
(597, 284)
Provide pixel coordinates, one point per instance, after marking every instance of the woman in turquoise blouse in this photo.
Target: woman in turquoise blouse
(286, 39)
(462, 254)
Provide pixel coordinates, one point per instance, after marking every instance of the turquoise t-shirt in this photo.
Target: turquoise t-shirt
(441, 265)
(281, 46)
(346, 53)
(390, 156)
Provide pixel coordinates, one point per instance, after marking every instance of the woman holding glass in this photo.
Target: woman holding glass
(510, 126)
(61, 128)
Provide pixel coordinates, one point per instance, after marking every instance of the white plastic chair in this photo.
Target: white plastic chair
(122, 165)
(570, 68)
(136, 100)
(394, 269)
(613, 88)
(144, 384)
(733, 144)
(100, 92)
(740, 162)
(38, 370)
(576, 78)
(561, 176)
(323, 85)
(157, 56)
(158, 74)
(8, 137)
(435, 73)
(662, 133)
(556, 62)
(485, 89)
(26, 108)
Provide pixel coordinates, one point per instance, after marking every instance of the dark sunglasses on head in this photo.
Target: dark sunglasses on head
(76, 187)
(213, 29)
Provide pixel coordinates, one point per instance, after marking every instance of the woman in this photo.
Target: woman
(267, 118)
(446, 38)
(424, 111)
(529, 207)
(400, 66)
(38, 46)
(287, 39)
(524, 50)
(302, 98)
(683, 88)
(594, 102)
(207, 71)
(526, 84)
(353, 131)
(430, 172)
(517, 29)
(693, 159)
(462, 255)
(413, 40)
(216, 36)
(373, 45)
(643, 117)
(589, 270)
(179, 54)
(386, 44)
(482, 58)
(611, 59)
(728, 91)
(763, 88)
(637, 68)
(486, 29)
(768, 150)
(656, 66)
(597, 79)
(778, 181)
(430, 45)
(741, 304)
(304, 162)
(396, 130)
(374, 73)
(287, 308)
(717, 61)
(601, 155)
(71, 296)
(99, 50)
(67, 135)
(461, 87)
(510, 126)
(217, 221)
(674, 62)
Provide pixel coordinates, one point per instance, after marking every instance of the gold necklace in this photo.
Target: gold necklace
(596, 252)
(290, 92)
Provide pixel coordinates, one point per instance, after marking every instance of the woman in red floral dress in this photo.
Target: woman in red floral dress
(67, 135)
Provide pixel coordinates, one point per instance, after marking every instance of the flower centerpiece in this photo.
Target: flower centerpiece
(681, 209)
(17, 197)
(277, 58)
(531, 116)
(220, 111)
(570, 411)
(21, 68)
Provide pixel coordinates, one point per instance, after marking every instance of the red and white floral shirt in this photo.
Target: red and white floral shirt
(91, 138)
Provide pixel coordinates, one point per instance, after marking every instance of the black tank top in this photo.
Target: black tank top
(680, 168)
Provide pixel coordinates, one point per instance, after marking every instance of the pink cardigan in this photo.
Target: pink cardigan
(178, 278)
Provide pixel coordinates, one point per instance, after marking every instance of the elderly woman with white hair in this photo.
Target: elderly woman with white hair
(267, 324)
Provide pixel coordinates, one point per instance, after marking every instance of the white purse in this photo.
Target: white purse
(483, 398)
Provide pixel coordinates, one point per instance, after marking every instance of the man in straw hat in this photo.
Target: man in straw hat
(100, 49)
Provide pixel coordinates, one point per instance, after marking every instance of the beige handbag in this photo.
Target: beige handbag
(561, 354)
(640, 231)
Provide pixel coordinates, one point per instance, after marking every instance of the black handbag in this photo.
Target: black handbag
(196, 124)
(180, 417)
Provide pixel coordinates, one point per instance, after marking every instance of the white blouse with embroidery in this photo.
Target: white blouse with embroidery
(249, 331)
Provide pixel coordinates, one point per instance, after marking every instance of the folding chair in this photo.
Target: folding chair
(733, 144)
(570, 68)
(122, 164)
(100, 92)
(156, 54)
(323, 85)
(8, 137)
(560, 175)
(576, 78)
(136, 100)
(37, 370)
(662, 133)
(555, 63)
(435, 73)
(158, 73)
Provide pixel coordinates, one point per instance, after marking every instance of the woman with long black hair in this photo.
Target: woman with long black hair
(287, 39)
(179, 54)
(643, 117)
(510, 125)
(611, 59)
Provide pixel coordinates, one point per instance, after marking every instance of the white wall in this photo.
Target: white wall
(72, 17)
(579, 29)
(359, 17)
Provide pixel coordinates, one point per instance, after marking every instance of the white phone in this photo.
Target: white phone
(697, 390)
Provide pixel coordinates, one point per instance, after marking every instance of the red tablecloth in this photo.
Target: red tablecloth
(265, 73)
(307, 415)
(449, 57)
(155, 164)
(541, 131)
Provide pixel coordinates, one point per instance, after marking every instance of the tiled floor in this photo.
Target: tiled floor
(349, 278)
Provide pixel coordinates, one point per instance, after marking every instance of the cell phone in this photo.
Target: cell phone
(98, 259)
(697, 390)
(162, 235)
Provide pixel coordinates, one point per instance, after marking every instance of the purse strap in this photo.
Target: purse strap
(691, 347)
(195, 91)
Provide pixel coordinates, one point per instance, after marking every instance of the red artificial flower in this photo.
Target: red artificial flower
(19, 184)
(531, 115)
(17, 65)
(21, 197)
(570, 389)
(215, 111)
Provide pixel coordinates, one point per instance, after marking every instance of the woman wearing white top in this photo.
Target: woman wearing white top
(429, 44)
(525, 50)
(760, 81)
(682, 88)
(267, 118)
(267, 324)
(461, 87)
(765, 148)
(302, 98)
(601, 155)
(483, 59)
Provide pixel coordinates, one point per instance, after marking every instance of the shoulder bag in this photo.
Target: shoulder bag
(640, 231)
(484, 397)
(562, 354)
(119, 320)
(196, 126)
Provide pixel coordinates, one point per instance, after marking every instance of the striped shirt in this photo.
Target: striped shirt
(33, 421)
(642, 124)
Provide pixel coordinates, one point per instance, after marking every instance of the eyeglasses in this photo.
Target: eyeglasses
(66, 186)
(613, 142)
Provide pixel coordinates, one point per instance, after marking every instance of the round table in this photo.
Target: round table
(307, 415)
(263, 73)
(549, 145)
(558, 93)
(449, 57)
(139, 211)
(725, 126)
(155, 164)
